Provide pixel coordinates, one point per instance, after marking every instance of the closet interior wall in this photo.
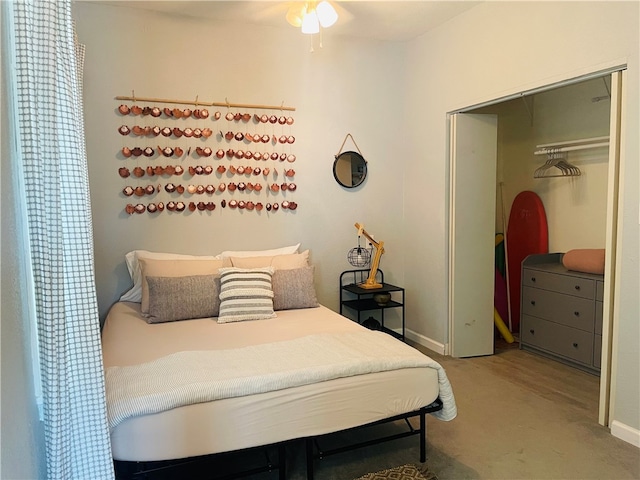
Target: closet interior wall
(575, 206)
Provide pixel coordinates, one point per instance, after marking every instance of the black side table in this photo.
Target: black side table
(361, 299)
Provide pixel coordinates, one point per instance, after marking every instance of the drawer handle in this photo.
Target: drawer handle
(533, 302)
(577, 287)
(532, 331)
(533, 279)
(575, 345)
(576, 313)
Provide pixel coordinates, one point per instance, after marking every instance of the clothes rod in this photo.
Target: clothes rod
(549, 151)
(575, 142)
(206, 104)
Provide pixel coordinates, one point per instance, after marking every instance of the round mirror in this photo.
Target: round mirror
(350, 169)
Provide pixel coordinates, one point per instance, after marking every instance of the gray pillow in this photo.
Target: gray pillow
(294, 289)
(183, 298)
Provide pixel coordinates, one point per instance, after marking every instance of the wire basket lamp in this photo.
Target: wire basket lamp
(361, 257)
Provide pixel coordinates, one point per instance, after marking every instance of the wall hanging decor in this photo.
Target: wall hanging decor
(150, 134)
(349, 168)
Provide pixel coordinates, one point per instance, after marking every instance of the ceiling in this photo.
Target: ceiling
(379, 20)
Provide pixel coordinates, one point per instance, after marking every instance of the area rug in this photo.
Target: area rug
(403, 472)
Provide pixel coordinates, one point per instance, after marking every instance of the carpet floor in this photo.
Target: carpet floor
(523, 416)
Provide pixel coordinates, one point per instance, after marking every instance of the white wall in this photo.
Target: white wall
(494, 50)
(346, 87)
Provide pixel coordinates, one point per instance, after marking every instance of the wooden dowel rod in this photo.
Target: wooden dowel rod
(249, 105)
(207, 104)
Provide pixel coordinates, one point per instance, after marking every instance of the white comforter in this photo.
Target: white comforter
(190, 377)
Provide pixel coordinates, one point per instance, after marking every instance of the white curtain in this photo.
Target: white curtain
(50, 151)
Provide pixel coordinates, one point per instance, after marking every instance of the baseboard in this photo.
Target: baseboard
(626, 433)
(426, 342)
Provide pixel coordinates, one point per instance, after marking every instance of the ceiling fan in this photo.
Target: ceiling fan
(311, 16)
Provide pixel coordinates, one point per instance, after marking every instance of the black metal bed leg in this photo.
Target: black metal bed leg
(309, 449)
(423, 436)
(282, 462)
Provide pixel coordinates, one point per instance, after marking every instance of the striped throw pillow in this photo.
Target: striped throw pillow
(245, 294)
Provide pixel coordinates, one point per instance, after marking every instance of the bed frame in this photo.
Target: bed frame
(314, 452)
(129, 470)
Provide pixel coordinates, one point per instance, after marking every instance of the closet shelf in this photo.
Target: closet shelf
(571, 145)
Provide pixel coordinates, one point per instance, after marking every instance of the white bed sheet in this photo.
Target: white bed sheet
(236, 423)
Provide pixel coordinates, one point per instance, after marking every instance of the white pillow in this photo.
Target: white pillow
(278, 262)
(135, 272)
(260, 253)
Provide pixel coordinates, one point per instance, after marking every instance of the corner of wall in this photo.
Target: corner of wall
(440, 348)
(625, 433)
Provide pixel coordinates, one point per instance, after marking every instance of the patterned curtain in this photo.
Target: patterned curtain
(52, 157)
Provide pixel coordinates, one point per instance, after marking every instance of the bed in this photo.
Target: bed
(260, 382)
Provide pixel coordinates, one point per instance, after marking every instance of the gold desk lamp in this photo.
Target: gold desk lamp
(371, 282)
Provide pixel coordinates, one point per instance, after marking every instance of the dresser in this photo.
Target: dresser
(561, 312)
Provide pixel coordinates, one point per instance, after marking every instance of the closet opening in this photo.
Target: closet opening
(560, 142)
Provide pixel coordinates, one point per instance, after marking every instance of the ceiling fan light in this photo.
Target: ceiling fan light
(295, 14)
(327, 15)
(310, 23)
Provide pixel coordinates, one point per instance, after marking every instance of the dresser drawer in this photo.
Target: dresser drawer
(598, 324)
(597, 350)
(579, 287)
(599, 290)
(565, 309)
(558, 339)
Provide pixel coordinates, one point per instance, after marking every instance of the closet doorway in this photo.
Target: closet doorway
(581, 210)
